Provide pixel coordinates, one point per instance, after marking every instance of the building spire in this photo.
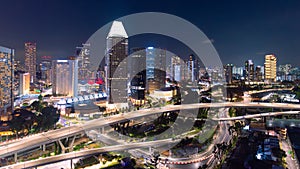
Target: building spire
(117, 30)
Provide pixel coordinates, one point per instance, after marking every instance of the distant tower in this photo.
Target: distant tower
(155, 68)
(30, 60)
(270, 68)
(249, 70)
(83, 56)
(258, 74)
(65, 77)
(228, 73)
(177, 65)
(192, 68)
(138, 74)
(116, 74)
(6, 80)
(284, 70)
(46, 69)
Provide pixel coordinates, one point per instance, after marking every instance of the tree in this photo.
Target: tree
(21, 119)
(49, 117)
(16, 124)
(232, 112)
(133, 162)
(40, 97)
(35, 105)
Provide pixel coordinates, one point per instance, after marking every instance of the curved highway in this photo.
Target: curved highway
(27, 143)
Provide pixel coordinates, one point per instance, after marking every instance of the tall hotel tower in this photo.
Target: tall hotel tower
(270, 68)
(116, 73)
(6, 80)
(30, 60)
(65, 77)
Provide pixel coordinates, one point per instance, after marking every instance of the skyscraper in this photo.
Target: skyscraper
(65, 77)
(192, 68)
(30, 60)
(155, 68)
(83, 56)
(177, 68)
(284, 71)
(249, 70)
(270, 68)
(138, 74)
(237, 70)
(116, 74)
(6, 79)
(228, 73)
(46, 69)
(258, 73)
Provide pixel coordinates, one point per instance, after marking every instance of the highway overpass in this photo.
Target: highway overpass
(28, 143)
(256, 115)
(83, 153)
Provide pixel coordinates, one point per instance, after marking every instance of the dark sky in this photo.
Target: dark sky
(240, 30)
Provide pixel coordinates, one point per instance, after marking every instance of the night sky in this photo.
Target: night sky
(239, 30)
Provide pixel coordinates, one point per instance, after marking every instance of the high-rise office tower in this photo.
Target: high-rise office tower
(18, 69)
(83, 56)
(46, 69)
(30, 60)
(65, 77)
(175, 60)
(116, 73)
(155, 68)
(192, 68)
(258, 73)
(249, 70)
(228, 73)
(138, 74)
(177, 68)
(6, 79)
(284, 71)
(237, 70)
(270, 68)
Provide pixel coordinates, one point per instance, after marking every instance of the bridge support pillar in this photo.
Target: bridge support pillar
(16, 157)
(102, 130)
(70, 146)
(44, 147)
(150, 150)
(63, 148)
(71, 164)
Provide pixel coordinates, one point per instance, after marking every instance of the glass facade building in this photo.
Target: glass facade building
(155, 68)
(65, 77)
(6, 79)
(116, 63)
(30, 59)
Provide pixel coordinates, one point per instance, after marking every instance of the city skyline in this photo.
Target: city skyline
(239, 31)
(192, 85)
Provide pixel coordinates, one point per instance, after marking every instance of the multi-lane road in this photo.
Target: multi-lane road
(222, 136)
(27, 143)
(256, 115)
(83, 153)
